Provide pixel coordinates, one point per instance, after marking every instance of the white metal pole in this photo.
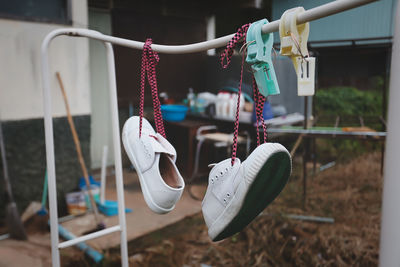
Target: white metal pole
(390, 229)
(103, 175)
(117, 152)
(309, 15)
(94, 235)
(51, 170)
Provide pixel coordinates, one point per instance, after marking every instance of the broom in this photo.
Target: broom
(100, 224)
(14, 223)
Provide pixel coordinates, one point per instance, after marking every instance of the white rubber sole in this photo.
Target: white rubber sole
(235, 205)
(146, 194)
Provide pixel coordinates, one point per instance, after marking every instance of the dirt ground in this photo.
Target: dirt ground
(349, 193)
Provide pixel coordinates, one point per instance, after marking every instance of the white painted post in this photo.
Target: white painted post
(390, 229)
(117, 153)
(103, 175)
(211, 33)
(50, 160)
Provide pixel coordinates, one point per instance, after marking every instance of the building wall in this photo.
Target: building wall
(21, 104)
(175, 73)
(370, 21)
(21, 83)
(354, 61)
(101, 133)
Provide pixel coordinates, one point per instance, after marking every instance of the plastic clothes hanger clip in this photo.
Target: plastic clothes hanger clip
(259, 56)
(294, 44)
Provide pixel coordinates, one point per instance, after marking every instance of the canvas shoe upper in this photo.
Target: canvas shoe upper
(237, 194)
(154, 160)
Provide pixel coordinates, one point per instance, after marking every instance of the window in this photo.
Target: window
(53, 11)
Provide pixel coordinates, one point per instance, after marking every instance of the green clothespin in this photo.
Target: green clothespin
(259, 56)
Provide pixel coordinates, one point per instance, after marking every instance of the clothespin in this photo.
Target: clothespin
(259, 47)
(294, 44)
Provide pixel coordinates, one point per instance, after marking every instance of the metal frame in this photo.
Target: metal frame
(49, 135)
(390, 234)
(390, 227)
(330, 133)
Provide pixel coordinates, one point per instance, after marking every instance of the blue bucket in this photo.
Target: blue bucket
(174, 112)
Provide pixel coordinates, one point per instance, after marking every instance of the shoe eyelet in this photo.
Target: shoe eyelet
(228, 195)
(221, 173)
(224, 200)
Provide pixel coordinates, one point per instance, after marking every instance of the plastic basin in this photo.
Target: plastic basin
(174, 112)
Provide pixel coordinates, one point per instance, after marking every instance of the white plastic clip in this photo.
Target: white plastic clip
(305, 76)
(294, 44)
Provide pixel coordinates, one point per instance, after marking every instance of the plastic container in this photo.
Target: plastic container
(95, 188)
(225, 104)
(96, 195)
(267, 112)
(218, 105)
(191, 98)
(75, 203)
(174, 112)
(232, 106)
(110, 208)
(92, 181)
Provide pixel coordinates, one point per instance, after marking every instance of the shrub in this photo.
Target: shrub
(344, 101)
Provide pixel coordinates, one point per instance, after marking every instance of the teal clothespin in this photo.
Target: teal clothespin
(259, 56)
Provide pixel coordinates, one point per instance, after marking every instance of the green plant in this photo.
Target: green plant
(349, 104)
(342, 101)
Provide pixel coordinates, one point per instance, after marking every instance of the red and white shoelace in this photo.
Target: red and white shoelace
(150, 59)
(259, 99)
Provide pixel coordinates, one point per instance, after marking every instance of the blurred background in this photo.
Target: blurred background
(352, 49)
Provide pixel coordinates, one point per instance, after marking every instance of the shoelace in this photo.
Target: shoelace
(149, 62)
(259, 99)
(239, 36)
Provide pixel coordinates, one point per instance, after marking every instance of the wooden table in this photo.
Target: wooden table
(182, 135)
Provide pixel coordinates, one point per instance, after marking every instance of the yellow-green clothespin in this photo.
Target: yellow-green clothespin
(259, 47)
(294, 44)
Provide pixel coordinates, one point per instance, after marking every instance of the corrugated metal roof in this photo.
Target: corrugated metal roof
(374, 20)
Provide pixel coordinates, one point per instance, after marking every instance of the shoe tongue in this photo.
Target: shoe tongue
(157, 142)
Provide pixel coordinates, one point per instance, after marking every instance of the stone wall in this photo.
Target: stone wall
(26, 158)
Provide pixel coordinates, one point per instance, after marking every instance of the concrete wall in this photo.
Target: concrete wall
(21, 105)
(20, 82)
(101, 133)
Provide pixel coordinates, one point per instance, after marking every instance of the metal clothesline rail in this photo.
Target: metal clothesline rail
(333, 132)
(309, 15)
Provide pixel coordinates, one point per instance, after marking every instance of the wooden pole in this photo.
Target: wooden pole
(79, 151)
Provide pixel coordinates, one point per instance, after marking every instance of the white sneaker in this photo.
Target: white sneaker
(237, 194)
(154, 160)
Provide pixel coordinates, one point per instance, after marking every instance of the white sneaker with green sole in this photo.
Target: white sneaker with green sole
(237, 194)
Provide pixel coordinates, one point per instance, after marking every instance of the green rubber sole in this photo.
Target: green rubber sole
(267, 185)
